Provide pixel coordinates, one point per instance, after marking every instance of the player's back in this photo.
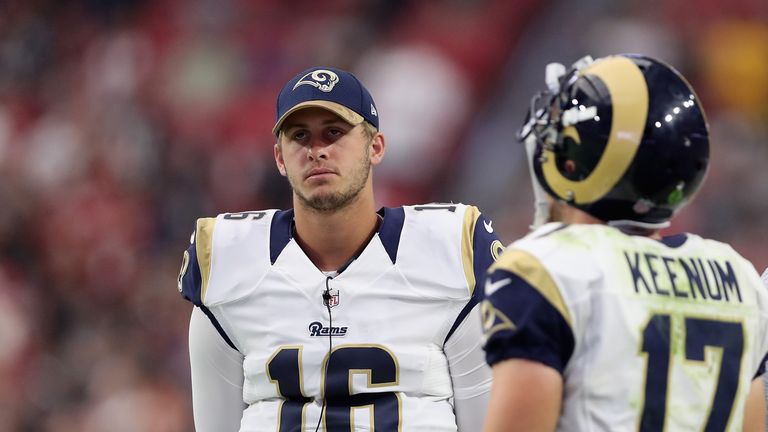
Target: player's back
(666, 335)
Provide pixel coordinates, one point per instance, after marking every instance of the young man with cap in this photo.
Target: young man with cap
(333, 316)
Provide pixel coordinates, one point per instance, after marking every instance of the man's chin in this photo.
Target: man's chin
(325, 202)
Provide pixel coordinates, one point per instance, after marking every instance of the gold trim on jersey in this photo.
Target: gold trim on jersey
(183, 271)
(368, 373)
(203, 244)
(629, 97)
(493, 320)
(645, 356)
(676, 345)
(300, 349)
(531, 270)
(371, 417)
(713, 352)
(496, 250)
(467, 238)
(369, 383)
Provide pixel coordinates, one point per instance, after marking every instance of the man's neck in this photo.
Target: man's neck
(572, 215)
(332, 239)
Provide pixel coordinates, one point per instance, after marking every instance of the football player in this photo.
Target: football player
(334, 316)
(594, 321)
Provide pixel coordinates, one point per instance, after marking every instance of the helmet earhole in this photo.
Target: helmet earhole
(569, 166)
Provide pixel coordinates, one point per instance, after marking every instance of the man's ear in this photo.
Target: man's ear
(279, 159)
(378, 148)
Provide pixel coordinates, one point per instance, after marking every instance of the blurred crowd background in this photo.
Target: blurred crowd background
(122, 121)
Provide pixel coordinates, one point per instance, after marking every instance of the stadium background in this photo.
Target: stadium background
(123, 121)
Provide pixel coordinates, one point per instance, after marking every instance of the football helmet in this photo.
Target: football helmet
(623, 138)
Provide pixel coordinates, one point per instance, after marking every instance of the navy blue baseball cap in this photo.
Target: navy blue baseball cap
(333, 89)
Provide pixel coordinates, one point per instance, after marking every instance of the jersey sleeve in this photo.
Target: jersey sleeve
(196, 263)
(524, 314)
(762, 366)
(217, 378)
(196, 269)
(470, 375)
(486, 246)
(480, 248)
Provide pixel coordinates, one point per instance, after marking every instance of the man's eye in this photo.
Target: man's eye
(299, 135)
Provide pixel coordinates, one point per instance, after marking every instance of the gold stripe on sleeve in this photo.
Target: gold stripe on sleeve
(203, 243)
(467, 237)
(531, 270)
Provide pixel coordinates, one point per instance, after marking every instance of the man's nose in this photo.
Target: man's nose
(317, 149)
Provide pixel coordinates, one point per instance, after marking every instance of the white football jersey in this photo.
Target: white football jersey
(377, 362)
(648, 335)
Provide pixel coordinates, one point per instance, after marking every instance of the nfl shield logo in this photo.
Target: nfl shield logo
(333, 298)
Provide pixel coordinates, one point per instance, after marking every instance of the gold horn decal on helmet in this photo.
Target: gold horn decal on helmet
(572, 133)
(629, 98)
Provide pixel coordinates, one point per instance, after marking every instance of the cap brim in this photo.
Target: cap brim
(345, 113)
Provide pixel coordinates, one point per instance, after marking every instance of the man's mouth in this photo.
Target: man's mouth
(319, 173)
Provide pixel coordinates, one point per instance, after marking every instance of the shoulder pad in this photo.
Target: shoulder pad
(225, 252)
(454, 241)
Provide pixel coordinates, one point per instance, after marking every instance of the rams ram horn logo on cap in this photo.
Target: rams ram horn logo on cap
(318, 79)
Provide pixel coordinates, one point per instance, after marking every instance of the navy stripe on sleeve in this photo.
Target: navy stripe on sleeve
(534, 329)
(280, 234)
(191, 281)
(486, 247)
(219, 329)
(761, 368)
(390, 230)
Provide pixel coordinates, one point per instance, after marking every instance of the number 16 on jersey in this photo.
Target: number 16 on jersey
(377, 362)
